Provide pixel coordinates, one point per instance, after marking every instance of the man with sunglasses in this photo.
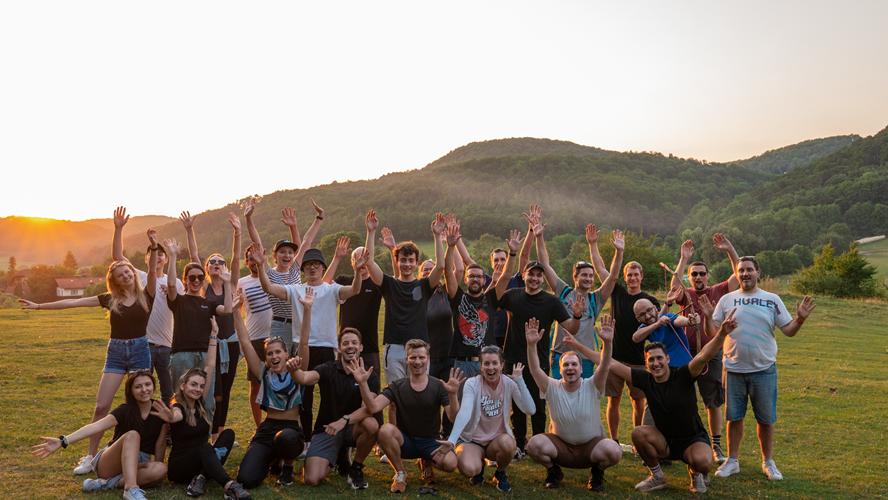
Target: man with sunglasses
(710, 382)
(750, 360)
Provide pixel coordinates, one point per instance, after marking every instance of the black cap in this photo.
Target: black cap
(285, 243)
(313, 254)
(532, 264)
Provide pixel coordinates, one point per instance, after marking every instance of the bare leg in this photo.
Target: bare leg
(699, 458)
(650, 444)
(501, 449)
(735, 435)
(613, 416)
(390, 440)
(316, 469)
(122, 456)
(766, 440)
(541, 450)
(104, 398)
(716, 420)
(149, 474)
(470, 459)
(365, 434)
(606, 453)
(638, 411)
(254, 406)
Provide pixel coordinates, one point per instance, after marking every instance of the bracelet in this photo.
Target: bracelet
(214, 337)
(512, 254)
(578, 317)
(800, 320)
(64, 441)
(318, 217)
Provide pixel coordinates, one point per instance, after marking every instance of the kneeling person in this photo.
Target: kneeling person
(576, 438)
(418, 400)
(342, 421)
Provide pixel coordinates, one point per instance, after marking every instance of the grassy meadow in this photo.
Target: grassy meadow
(829, 444)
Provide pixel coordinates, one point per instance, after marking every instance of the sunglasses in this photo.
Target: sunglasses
(311, 265)
(701, 273)
(196, 277)
(489, 348)
(214, 262)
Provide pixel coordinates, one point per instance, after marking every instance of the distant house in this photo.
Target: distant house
(74, 287)
(20, 277)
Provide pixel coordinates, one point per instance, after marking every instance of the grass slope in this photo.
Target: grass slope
(829, 443)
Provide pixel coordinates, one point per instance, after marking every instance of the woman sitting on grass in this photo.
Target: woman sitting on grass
(192, 458)
(279, 437)
(129, 307)
(138, 434)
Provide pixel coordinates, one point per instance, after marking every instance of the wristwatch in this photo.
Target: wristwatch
(346, 418)
(64, 441)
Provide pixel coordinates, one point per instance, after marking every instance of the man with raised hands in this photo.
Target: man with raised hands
(576, 438)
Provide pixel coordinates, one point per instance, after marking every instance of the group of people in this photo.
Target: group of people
(456, 361)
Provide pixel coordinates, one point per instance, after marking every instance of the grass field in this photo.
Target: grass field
(829, 444)
(877, 254)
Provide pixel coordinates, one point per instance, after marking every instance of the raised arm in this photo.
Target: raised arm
(503, 282)
(257, 253)
(288, 217)
(188, 222)
(687, 251)
(803, 310)
(254, 364)
(358, 263)
(534, 334)
(536, 222)
(172, 251)
(251, 227)
(707, 309)
(151, 282)
(226, 307)
(606, 334)
(592, 235)
(709, 350)
(724, 245)
(235, 249)
(452, 388)
(459, 269)
(120, 220)
(450, 280)
(577, 306)
(388, 241)
(210, 364)
(307, 300)
(375, 403)
(310, 234)
(607, 284)
(375, 272)
(437, 230)
(340, 253)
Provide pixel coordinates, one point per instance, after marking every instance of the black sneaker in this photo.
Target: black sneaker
(596, 479)
(275, 469)
(478, 479)
(286, 478)
(196, 488)
(343, 463)
(237, 492)
(356, 477)
(553, 477)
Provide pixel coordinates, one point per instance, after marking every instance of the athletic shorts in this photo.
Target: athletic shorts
(573, 456)
(759, 388)
(259, 347)
(417, 447)
(326, 446)
(677, 447)
(614, 384)
(394, 362)
(127, 356)
(712, 390)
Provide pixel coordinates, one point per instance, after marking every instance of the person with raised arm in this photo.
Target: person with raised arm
(418, 400)
(625, 351)
(406, 297)
(522, 304)
(481, 430)
(257, 322)
(279, 439)
(576, 438)
(192, 458)
(584, 279)
(193, 316)
(138, 435)
(751, 361)
(160, 322)
(286, 252)
(343, 422)
(129, 308)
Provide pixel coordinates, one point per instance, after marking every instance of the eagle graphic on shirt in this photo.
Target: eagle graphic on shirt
(472, 323)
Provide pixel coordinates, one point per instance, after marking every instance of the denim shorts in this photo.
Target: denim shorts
(588, 366)
(127, 356)
(417, 447)
(759, 388)
(111, 482)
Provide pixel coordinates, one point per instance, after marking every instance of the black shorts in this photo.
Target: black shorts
(326, 446)
(677, 447)
(712, 391)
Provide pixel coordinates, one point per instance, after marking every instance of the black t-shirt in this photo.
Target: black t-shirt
(625, 349)
(440, 324)
(148, 429)
(185, 437)
(361, 311)
(340, 394)
(131, 321)
(521, 306)
(473, 319)
(405, 309)
(226, 323)
(191, 322)
(501, 318)
(673, 403)
(419, 413)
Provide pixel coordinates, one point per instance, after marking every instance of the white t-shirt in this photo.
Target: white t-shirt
(160, 322)
(323, 313)
(576, 416)
(259, 312)
(752, 347)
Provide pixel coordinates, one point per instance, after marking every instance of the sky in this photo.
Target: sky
(171, 106)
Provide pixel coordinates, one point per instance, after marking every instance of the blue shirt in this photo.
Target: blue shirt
(674, 339)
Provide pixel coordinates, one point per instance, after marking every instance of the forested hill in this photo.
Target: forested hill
(787, 159)
(516, 146)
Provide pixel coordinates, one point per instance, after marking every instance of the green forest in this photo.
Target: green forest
(787, 159)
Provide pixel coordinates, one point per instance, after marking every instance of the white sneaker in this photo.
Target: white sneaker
(134, 493)
(653, 482)
(85, 465)
(519, 455)
(91, 484)
(728, 468)
(698, 483)
(304, 451)
(770, 470)
(383, 459)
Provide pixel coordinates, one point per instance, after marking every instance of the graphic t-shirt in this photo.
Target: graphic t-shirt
(362, 312)
(627, 350)
(473, 319)
(132, 321)
(752, 347)
(259, 312)
(160, 323)
(491, 424)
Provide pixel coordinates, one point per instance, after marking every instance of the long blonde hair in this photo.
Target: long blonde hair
(179, 397)
(118, 295)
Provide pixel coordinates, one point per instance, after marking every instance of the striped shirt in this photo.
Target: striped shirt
(258, 307)
(281, 308)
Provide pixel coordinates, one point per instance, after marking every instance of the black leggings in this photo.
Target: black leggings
(202, 460)
(224, 381)
(519, 418)
(274, 440)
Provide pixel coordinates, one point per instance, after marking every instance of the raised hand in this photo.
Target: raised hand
(617, 240)
(730, 323)
(120, 217)
(451, 221)
(674, 294)
(438, 225)
(152, 237)
(172, 248)
(456, 378)
(225, 274)
(532, 331)
(371, 222)
(804, 309)
(571, 341)
(707, 308)
(360, 261)
(606, 332)
(358, 372)
(497, 272)
(514, 241)
(187, 219)
(214, 327)
(239, 299)
(535, 220)
(288, 217)
(257, 252)
(722, 243)
(307, 300)
(592, 234)
(342, 249)
(517, 370)
(318, 209)
(452, 235)
(687, 250)
(162, 411)
(234, 221)
(248, 209)
(577, 306)
(388, 239)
